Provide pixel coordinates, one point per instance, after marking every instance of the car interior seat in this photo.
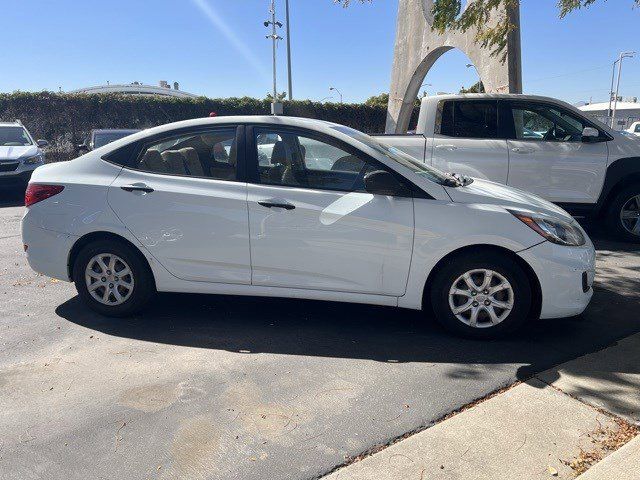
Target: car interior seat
(152, 161)
(192, 161)
(174, 162)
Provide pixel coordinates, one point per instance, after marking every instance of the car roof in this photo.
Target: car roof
(496, 96)
(318, 125)
(115, 130)
(11, 124)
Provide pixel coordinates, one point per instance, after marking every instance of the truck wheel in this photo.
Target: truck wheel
(481, 295)
(623, 214)
(112, 278)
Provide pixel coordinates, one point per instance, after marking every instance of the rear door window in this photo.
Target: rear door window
(206, 154)
(468, 119)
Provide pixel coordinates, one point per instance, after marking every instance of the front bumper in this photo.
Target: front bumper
(566, 277)
(20, 178)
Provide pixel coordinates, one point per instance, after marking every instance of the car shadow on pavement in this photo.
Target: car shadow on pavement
(253, 325)
(11, 196)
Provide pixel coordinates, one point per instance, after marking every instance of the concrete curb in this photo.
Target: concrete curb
(623, 464)
(556, 424)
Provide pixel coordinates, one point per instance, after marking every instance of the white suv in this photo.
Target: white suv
(288, 207)
(20, 155)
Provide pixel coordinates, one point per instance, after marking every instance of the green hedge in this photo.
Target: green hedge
(65, 120)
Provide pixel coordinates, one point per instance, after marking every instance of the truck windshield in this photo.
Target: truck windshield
(399, 156)
(14, 137)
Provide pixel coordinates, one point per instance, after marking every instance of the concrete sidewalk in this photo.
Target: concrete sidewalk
(556, 425)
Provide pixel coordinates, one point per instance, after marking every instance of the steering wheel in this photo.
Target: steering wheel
(550, 134)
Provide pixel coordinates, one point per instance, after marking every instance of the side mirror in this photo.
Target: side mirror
(380, 182)
(82, 148)
(589, 134)
(42, 143)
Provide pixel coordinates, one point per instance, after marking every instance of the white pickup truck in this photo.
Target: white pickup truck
(538, 144)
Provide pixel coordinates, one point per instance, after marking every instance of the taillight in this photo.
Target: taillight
(37, 192)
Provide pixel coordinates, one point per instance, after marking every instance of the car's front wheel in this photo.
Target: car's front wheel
(112, 278)
(623, 215)
(481, 295)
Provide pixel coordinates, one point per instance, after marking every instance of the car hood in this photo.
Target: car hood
(486, 192)
(14, 153)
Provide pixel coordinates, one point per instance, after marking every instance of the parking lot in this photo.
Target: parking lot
(232, 387)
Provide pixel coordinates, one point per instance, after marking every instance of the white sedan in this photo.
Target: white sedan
(289, 207)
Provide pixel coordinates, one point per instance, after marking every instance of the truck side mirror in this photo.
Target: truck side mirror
(589, 134)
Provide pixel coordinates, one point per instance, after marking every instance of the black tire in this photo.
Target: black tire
(613, 212)
(502, 265)
(143, 282)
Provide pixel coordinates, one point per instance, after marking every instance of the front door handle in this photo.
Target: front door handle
(450, 148)
(137, 188)
(276, 204)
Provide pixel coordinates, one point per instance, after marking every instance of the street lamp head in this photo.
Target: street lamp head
(469, 65)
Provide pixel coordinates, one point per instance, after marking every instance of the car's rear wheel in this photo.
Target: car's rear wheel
(112, 278)
(483, 295)
(623, 214)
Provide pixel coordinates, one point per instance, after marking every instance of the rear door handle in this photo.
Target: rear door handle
(137, 188)
(276, 204)
(522, 150)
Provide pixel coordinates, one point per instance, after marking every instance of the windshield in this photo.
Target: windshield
(14, 137)
(100, 139)
(399, 156)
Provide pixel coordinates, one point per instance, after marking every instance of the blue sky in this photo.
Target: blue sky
(218, 47)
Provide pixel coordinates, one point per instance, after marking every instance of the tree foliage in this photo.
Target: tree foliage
(381, 100)
(451, 15)
(477, 87)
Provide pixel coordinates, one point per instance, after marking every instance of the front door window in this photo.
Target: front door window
(294, 160)
(546, 123)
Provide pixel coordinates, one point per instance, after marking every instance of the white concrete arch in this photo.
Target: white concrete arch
(418, 47)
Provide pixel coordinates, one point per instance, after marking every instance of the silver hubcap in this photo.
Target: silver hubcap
(481, 298)
(630, 215)
(109, 279)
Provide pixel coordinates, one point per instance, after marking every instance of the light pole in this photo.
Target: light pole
(276, 106)
(336, 90)
(615, 98)
(480, 84)
(425, 85)
(289, 51)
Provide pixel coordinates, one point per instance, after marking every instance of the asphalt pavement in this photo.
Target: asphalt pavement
(235, 387)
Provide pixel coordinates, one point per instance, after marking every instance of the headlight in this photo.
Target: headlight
(37, 158)
(552, 229)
